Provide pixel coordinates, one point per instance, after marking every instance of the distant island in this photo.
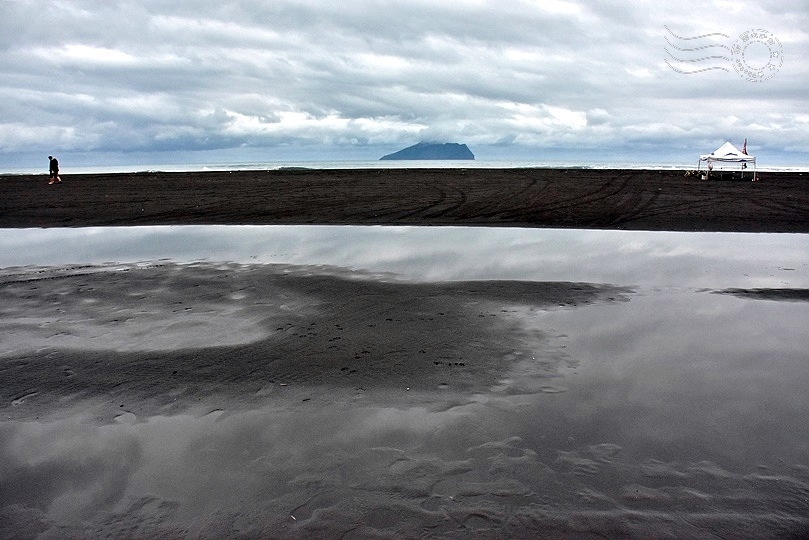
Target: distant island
(432, 150)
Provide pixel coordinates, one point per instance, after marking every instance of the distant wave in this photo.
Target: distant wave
(646, 164)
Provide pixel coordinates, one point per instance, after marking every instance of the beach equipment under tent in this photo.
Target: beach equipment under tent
(730, 160)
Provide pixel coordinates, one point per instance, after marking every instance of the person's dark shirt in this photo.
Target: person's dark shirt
(54, 165)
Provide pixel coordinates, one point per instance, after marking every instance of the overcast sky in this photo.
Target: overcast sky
(157, 81)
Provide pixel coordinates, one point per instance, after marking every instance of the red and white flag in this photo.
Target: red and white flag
(744, 148)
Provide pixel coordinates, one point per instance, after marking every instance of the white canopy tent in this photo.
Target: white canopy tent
(729, 154)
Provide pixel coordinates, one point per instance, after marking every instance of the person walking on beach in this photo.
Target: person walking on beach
(54, 169)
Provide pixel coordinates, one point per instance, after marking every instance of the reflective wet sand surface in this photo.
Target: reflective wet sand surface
(413, 392)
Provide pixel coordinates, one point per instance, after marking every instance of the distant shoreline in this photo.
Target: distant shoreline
(240, 167)
(631, 199)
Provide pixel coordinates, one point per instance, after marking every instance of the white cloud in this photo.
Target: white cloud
(78, 54)
(152, 76)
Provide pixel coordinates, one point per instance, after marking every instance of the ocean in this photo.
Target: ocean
(68, 168)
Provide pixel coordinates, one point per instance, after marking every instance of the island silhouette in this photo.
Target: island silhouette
(432, 150)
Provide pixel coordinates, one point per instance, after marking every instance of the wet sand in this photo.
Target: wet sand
(561, 198)
(159, 337)
(210, 400)
(95, 358)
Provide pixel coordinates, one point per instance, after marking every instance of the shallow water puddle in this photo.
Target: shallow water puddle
(375, 383)
(652, 259)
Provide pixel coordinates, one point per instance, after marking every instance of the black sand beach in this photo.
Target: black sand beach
(220, 400)
(562, 198)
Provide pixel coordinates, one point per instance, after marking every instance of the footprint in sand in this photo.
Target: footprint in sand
(580, 466)
(20, 400)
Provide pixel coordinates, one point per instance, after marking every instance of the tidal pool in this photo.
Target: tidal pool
(403, 382)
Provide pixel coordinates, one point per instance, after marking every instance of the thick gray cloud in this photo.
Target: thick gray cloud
(525, 77)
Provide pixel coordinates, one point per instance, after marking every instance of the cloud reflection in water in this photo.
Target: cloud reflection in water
(717, 260)
(679, 410)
